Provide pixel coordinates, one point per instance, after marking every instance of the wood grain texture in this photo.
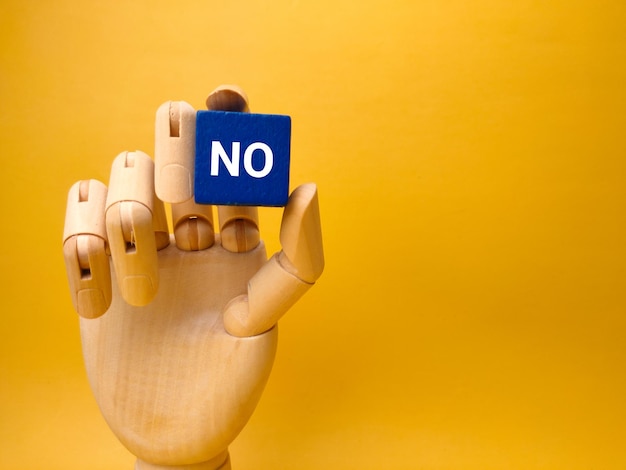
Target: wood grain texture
(172, 384)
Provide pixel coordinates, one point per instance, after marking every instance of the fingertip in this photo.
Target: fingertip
(138, 290)
(301, 234)
(174, 183)
(228, 98)
(236, 314)
(306, 190)
(92, 303)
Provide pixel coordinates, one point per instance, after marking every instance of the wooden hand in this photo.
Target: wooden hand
(179, 331)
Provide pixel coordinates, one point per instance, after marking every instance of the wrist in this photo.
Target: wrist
(221, 462)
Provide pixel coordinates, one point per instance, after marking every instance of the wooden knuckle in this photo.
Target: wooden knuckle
(85, 209)
(132, 179)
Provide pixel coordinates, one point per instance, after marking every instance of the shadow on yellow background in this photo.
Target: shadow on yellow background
(470, 158)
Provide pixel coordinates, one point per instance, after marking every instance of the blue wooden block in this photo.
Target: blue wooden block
(242, 158)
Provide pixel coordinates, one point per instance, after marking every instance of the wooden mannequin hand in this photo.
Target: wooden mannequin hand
(178, 331)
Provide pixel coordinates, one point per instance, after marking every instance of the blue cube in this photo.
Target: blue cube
(242, 158)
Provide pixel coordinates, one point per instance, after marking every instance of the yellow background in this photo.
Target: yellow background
(470, 157)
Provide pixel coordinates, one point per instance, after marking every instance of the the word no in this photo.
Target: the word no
(232, 162)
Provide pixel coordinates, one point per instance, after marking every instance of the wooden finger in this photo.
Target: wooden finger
(301, 234)
(130, 229)
(287, 275)
(174, 151)
(272, 291)
(84, 249)
(239, 225)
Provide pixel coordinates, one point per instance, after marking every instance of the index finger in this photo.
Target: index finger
(175, 141)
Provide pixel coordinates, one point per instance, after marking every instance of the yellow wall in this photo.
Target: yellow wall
(471, 160)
